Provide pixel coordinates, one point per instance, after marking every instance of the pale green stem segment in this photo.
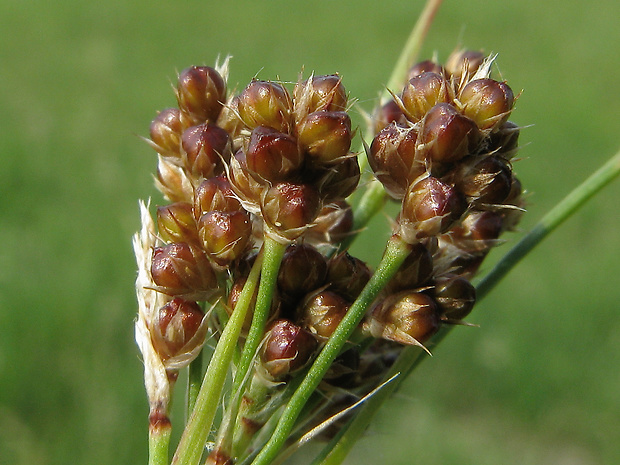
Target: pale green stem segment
(395, 253)
(194, 380)
(198, 427)
(159, 441)
(335, 452)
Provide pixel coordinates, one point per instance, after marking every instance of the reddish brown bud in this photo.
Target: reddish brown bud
(416, 270)
(245, 186)
(325, 135)
(347, 275)
(447, 135)
(287, 348)
(336, 181)
(478, 231)
(485, 181)
(334, 223)
(214, 194)
(289, 208)
(455, 296)
(429, 208)
(201, 92)
(504, 141)
(303, 269)
(183, 270)
(264, 103)
(427, 66)
(206, 146)
(166, 130)
(487, 102)
(176, 223)
(388, 113)
(175, 326)
(462, 64)
(408, 317)
(322, 312)
(225, 235)
(320, 93)
(423, 92)
(271, 155)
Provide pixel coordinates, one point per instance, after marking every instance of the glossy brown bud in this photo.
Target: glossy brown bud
(289, 208)
(176, 223)
(429, 208)
(478, 231)
(206, 146)
(271, 155)
(388, 113)
(265, 103)
(487, 102)
(175, 328)
(214, 194)
(225, 235)
(426, 66)
(322, 312)
(183, 270)
(166, 130)
(462, 64)
(325, 135)
(337, 180)
(455, 296)
(287, 348)
(446, 135)
(334, 223)
(408, 317)
(504, 141)
(347, 275)
(201, 91)
(485, 181)
(416, 270)
(392, 157)
(303, 269)
(320, 93)
(423, 92)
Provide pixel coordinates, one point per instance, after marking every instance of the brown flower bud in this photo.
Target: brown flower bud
(245, 186)
(183, 270)
(455, 296)
(287, 348)
(478, 231)
(320, 93)
(325, 135)
(484, 181)
(337, 180)
(347, 275)
(225, 234)
(462, 64)
(166, 130)
(426, 66)
(487, 102)
(504, 141)
(290, 208)
(205, 145)
(392, 157)
(303, 269)
(175, 328)
(429, 208)
(176, 223)
(264, 103)
(334, 223)
(388, 113)
(322, 312)
(416, 270)
(408, 317)
(214, 194)
(201, 92)
(271, 155)
(423, 92)
(446, 135)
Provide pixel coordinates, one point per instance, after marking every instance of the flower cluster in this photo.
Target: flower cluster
(273, 165)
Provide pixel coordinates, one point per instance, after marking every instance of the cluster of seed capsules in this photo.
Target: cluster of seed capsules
(272, 162)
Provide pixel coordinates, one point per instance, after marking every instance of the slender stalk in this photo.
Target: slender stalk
(198, 427)
(395, 254)
(194, 380)
(160, 430)
(337, 449)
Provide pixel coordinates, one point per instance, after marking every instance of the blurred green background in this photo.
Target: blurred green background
(537, 383)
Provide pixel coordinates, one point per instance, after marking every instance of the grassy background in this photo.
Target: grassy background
(536, 383)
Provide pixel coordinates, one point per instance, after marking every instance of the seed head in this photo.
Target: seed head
(166, 130)
(176, 223)
(225, 234)
(265, 103)
(205, 146)
(322, 312)
(423, 92)
(201, 91)
(287, 348)
(214, 194)
(487, 102)
(272, 156)
(325, 135)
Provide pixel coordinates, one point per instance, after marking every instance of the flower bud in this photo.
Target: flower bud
(287, 348)
(455, 296)
(290, 208)
(205, 147)
(322, 312)
(478, 231)
(347, 275)
(325, 135)
(214, 194)
(271, 155)
(447, 135)
(173, 181)
(423, 92)
(388, 113)
(264, 103)
(429, 208)
(166, 130)
(392, 157)
(426, 66)
(487, 102)
(320, 93)
(504, 141)
(462, 64)
(225, 234)
(416, 270)
(334, 223)
(408, 317)
(244, 185)
(303, 269)
(183, 270)
(176, 223)
(201, 92)
(176, 328)
(484, 181)
(335, 181)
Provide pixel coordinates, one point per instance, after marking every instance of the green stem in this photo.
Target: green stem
(159, 441)
(335, 452)
(194, 380)
(198, 427)
(395, 254)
